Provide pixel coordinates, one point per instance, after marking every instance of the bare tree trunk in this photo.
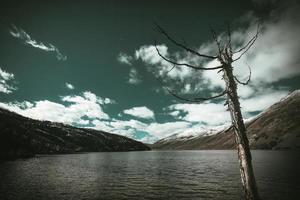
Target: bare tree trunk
(225, 57)
(244, 154)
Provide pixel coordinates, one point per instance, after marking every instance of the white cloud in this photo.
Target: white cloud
(149, 55)
(210, 114)
(180, 128)
(22, 35)
(134, 77)
(108, 101)
(130, 124)
(5, 79)
(273, 57)
(5, 88)
(79, 106)
(131, 127)
(122, 127)
(70, 86)
(161, 130)
(245, 91)
(86, 111)
(5, 75)
(140, 112)
(133, 73)
(160, 67)
(262, 101)
(124, 58)
(182, 79)
(87, 96)
(101, 125)
(215, 114)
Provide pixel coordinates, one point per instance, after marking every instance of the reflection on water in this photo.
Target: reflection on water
(148, 175)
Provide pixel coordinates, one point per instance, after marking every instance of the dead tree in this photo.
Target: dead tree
(225, 56)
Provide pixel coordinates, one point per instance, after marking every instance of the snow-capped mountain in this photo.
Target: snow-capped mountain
(278, 127)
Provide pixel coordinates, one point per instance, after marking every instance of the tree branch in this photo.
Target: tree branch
(245, 48)
(229, 38)
(161, 30)
(171, 68)
(184, 64)
(249, 77)
(216, 40)
(198, 99)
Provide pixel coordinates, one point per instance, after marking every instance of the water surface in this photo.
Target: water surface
(148, 175)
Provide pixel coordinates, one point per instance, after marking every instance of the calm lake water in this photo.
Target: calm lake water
(148, 175)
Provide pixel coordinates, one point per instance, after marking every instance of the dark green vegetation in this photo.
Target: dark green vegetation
(276, 128)
(23, 137)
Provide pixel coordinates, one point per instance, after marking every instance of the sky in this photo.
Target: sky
(93, 64)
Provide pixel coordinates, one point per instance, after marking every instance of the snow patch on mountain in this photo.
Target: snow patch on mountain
(195, 133)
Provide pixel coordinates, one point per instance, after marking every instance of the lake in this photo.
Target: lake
(148, 175)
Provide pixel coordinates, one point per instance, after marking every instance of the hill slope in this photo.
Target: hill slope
(22, 137)
(276, 128)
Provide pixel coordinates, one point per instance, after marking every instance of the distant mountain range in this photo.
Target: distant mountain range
(278, 127)
(25, 137)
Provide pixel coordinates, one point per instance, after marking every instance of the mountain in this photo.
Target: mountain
(278, 127)
(25, 137)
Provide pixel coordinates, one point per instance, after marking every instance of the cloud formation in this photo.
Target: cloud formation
(134, 77)
(273, 57)
(211, 114)
(131, 128)
(124, 58)
(86, 110)
(182, 79)
(5, 82)
(140, 112)
(78, 111)
(70, 86)
(25, 37)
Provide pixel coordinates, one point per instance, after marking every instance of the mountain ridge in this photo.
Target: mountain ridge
(24, 137)
(277, 127)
